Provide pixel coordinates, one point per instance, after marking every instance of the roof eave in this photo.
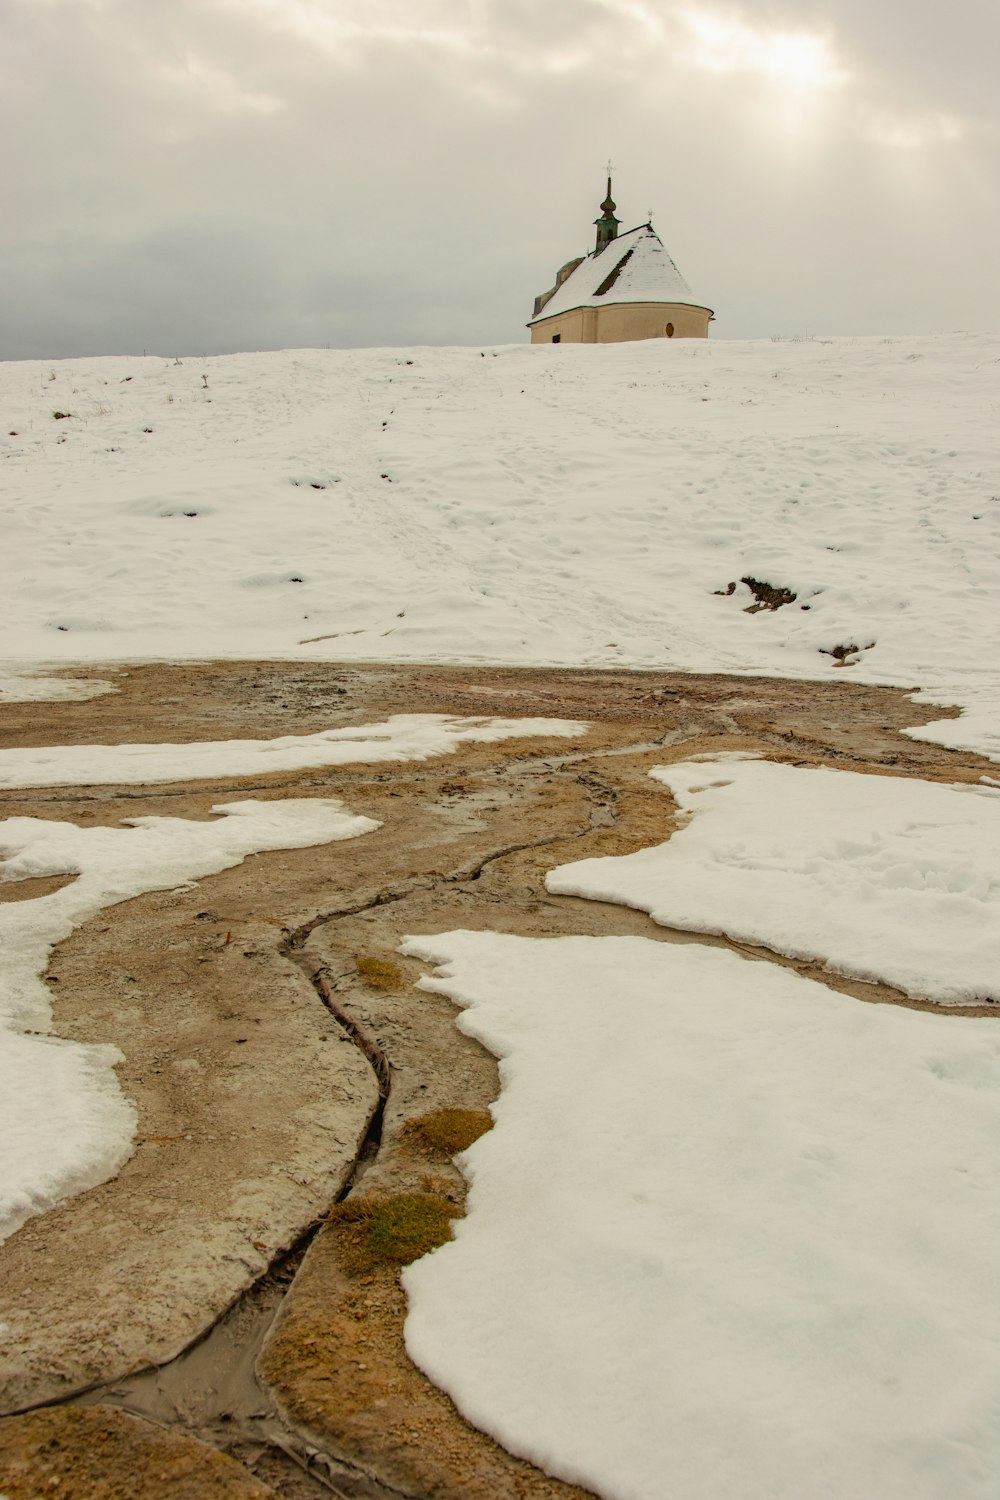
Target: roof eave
(632, 302)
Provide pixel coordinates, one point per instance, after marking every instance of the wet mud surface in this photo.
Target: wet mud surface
(273, 1078)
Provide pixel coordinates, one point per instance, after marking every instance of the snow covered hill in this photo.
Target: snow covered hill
(520, 505)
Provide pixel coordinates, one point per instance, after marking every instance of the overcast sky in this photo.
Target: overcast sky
(203, 176)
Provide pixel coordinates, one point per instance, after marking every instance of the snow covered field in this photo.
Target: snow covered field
(733, 1234)
(520, 505)
(882, 877)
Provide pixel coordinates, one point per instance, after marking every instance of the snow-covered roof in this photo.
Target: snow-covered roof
(635, 267)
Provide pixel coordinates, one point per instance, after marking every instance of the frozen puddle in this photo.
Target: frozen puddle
(37, 687)
(733, 1234)
(62, 1114)
(880, 877)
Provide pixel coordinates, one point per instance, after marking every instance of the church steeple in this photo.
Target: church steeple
(607, 224)
(633, 292)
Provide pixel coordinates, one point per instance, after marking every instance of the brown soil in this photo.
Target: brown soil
(254, 1095)
(97, 1453)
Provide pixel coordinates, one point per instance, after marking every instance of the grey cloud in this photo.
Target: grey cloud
(914, 52)
(201, 176)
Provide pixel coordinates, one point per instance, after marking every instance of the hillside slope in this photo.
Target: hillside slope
(579, 505)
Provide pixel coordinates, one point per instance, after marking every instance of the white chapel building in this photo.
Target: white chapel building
(626, 288)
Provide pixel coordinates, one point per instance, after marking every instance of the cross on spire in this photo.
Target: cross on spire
(607, 224)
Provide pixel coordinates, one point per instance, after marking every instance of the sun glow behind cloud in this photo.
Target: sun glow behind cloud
(797, 60)
(237, 122)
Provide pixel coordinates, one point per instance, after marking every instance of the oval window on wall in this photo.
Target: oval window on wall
(670, 330)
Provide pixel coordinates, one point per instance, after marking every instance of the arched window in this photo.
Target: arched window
(670, 330)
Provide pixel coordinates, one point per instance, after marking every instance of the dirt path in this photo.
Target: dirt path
(249, 1036)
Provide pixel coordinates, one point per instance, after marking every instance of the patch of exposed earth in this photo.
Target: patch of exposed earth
(250, 1036)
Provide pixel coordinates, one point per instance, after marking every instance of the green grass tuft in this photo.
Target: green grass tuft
(380, 973)
(393, 1231)
(449, 1130)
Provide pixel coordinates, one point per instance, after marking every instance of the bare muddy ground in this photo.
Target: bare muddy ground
(75, 1453)
(271, 1078)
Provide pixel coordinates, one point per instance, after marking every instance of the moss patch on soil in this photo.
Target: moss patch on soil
(392, 1231)
(448, 1131)
(380, 973)
(337, 1364)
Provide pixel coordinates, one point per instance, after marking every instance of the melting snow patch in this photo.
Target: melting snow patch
(401, 737)
(26, 687)
(733, 1234)
(63, 1120)
(881, 878)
